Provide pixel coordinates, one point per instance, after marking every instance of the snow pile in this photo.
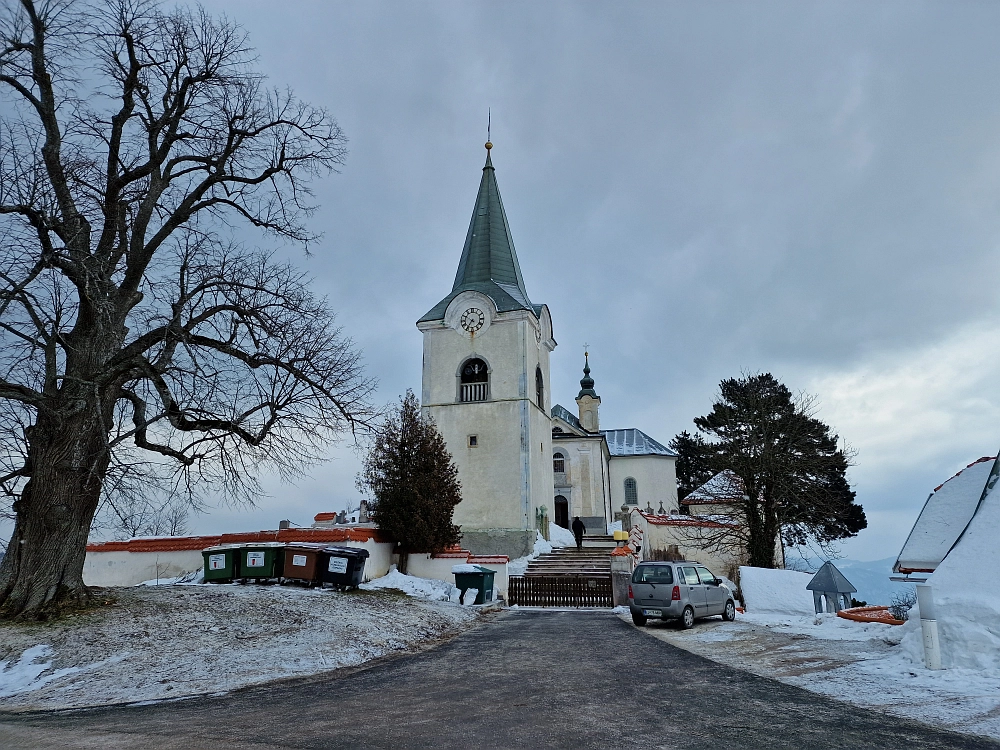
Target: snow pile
(517, 566)
(422, 588)
(966, 597)
(613, 527)
(29, 672)
(776, 591)
(466, 568)
(560, 537)
(197, 576)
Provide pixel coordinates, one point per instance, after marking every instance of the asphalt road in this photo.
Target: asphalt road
(521, 680)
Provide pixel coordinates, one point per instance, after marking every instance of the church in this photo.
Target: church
(485, 382)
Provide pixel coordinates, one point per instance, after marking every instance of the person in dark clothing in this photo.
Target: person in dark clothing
(578, 529)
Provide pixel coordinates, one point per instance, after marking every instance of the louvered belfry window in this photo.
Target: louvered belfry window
(475, 381)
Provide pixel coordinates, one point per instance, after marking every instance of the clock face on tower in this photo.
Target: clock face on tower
(473, 319)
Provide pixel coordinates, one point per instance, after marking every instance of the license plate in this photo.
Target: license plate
(652, 612)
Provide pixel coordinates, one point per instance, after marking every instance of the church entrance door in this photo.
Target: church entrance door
(562, 512)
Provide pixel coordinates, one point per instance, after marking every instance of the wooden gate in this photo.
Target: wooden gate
(559, 591)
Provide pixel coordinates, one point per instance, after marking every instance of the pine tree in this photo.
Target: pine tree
(412, 481)
(792, 471)
(694, 462)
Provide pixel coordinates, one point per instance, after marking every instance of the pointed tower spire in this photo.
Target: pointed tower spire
(587, 382)
(587, 401)
(488, 263)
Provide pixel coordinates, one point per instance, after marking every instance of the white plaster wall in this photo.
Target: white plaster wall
(656, 477)
(656, 537)
(439, 569)
(509, 473)
(130, 568)
(379, 556)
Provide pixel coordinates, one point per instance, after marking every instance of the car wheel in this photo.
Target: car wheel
(639, 620)
(687, 619)
(729, 613)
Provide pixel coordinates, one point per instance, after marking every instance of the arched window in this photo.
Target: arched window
(559, 463)
(475, 381)
(631, 492)
(539, 388)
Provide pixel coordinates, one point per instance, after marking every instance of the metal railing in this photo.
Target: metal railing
(475, 392)
(560, 591)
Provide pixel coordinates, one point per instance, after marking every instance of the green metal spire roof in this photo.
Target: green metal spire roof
(489, 263)
(587, 382)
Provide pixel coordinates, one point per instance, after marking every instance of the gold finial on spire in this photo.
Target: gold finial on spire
(488, 145)
(489, 123)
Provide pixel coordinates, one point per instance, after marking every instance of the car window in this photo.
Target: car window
(706, 575)
(653, 574)
(691, 575)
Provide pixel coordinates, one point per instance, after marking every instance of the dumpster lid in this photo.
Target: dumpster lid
(256, 545)
(347, 551)
(466, 568)
(310, 546)
(223, 547)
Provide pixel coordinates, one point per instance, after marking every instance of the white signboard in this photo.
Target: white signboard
(298, 559)
(338, 565)
(255, 559)
(216, 562)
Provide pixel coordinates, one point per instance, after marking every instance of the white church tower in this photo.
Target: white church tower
(486, 385)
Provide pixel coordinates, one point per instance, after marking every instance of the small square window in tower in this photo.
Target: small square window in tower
(475, 385)
(473, 441)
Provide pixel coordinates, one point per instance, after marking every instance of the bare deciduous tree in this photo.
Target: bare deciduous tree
(138, 345)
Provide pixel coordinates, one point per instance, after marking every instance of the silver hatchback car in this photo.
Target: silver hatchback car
(681, 590)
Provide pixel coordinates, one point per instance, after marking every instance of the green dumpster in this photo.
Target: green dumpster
(261, 561)
(475, 577)
(222, 563)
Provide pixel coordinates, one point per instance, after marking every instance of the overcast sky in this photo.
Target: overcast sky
(697, 190)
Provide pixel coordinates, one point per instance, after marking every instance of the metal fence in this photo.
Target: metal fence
(559, 591)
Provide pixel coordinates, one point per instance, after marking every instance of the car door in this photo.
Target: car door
(715, 594)
(651, 588)
(695, 590)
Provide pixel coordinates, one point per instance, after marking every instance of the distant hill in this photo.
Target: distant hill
(871, 578)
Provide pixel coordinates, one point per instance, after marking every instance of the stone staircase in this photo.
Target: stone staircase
(593, 560)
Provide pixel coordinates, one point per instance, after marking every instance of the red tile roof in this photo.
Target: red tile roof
(489, 559)
(180, 543)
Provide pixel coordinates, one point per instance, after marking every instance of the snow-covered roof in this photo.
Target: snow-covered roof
(945, 515)
(725, 487)
(561, 412)
(633, 442)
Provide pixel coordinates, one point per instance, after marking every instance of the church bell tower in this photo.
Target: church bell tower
(486, 384)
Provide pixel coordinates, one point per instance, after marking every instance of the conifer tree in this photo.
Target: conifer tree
(789, 466)
(694, 462)
(412, 481)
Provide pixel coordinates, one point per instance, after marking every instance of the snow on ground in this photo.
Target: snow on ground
(164, 642)
(29, 672)
(866, 664)
(422, 588)
(776, 591)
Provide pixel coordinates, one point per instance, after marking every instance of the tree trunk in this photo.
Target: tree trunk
(42, 572)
